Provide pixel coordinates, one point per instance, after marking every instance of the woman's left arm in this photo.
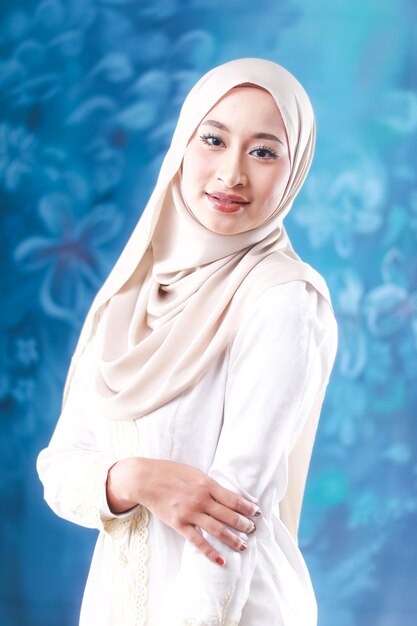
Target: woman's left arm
(280, 358)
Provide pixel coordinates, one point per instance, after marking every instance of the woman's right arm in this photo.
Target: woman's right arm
(74, 466)
(180, 494)
(87, 485)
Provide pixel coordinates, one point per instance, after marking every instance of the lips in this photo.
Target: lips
(225, 197)
(223, 202)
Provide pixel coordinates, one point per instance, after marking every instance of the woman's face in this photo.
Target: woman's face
(229, 154)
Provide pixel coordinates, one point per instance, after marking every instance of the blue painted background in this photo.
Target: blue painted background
(90, 91)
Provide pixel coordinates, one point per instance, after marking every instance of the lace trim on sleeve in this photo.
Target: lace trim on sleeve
(86, 485)
(130, 552)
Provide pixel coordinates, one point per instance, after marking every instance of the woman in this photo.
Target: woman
(197, 382)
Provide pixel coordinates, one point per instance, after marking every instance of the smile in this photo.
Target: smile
(225, 205)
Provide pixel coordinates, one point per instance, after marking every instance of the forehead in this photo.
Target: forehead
(246, 97)
(249, 103)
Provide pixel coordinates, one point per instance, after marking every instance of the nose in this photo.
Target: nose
(230, 170)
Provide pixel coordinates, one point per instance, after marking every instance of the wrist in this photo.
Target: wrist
(120, 485)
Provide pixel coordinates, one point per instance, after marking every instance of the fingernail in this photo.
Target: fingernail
(257, 513)
(243, 546)
(253, 529)
(220, 561)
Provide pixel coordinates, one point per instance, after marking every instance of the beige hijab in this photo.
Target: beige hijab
(178, 291)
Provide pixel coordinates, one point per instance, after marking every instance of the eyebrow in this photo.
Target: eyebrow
(255, 136)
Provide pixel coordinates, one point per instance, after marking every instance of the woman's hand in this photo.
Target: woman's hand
(183, 497)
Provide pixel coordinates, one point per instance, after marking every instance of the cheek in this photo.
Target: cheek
(272, 187)
(279, 181)
(194, 168)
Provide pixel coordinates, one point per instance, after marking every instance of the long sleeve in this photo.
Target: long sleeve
(73, 467)
(280, 358)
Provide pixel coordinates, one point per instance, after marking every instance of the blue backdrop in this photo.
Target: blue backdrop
(89, 94)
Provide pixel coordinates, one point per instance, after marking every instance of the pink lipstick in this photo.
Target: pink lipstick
(226, 202)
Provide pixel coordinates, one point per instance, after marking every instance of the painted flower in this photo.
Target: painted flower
(343, 204)
(26, 351)
(23, 390)
(392, 306)
(17, 155)
(72, 255)
(346, 419)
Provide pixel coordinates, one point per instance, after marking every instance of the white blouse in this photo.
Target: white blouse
(238, 424)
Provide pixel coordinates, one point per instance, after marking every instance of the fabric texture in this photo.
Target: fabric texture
(234, 333)
(178, 291)
(238, 424)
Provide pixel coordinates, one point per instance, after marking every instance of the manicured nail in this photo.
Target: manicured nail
(220, 561)
(243, 546)
(257, 513)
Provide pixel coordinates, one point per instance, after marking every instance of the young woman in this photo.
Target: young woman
(195, 390)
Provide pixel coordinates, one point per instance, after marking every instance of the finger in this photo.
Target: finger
(232, 500)
(221, 532)
(197, 540)
(231, 518)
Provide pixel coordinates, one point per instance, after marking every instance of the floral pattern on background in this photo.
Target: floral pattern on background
(89, 95)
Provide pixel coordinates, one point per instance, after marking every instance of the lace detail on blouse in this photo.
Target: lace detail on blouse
(130, 552)
(216, 619)
(86, 486)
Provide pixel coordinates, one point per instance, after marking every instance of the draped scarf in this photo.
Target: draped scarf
(178, 291)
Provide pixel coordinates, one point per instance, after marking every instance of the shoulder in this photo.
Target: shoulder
(297, 298)
(293, 293)
(292, 313)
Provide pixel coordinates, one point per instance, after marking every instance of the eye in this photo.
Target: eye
(267, 153)
(271, 154)
(205, 139)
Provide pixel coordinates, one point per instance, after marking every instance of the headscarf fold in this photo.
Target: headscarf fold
(178, 291)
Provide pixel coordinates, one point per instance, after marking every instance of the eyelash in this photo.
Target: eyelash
(273, 154)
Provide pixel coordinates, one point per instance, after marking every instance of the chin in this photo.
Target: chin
(222, 229)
